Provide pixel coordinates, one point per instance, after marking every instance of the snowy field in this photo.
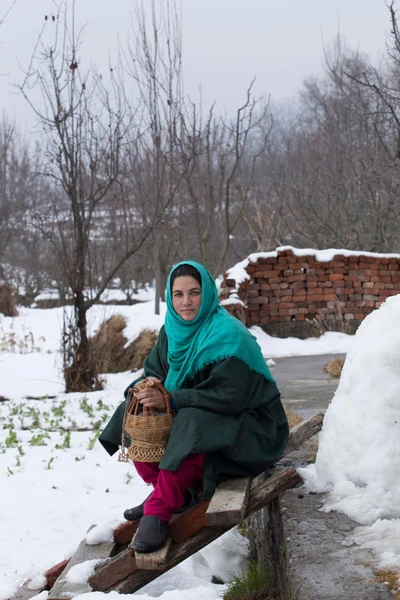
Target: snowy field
(55, 478)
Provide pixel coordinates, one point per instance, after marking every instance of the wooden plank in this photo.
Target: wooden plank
(63, 590)
(189, 522)
(228, 505)
(259, 496)
(154, 560)
(114, 570)
(303, 431)
(124, 533)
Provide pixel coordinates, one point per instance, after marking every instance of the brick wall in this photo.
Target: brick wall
(289, 294)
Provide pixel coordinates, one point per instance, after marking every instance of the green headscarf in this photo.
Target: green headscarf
(212, 336)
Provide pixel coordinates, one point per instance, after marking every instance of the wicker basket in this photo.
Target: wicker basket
(147, 429)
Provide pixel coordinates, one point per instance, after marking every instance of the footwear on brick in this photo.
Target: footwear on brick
(151, 535)
(135, 513)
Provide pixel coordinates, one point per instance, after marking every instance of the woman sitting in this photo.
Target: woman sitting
(229, 421)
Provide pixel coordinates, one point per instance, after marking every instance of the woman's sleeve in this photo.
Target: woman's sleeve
(224, 388)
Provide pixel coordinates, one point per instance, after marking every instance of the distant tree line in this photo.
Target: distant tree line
(128, 175)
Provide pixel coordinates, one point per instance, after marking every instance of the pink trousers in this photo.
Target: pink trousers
(169, 486)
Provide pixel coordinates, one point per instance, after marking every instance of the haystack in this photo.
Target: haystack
(139, 349)
(108, 346)
(334, 367)
(7, 301)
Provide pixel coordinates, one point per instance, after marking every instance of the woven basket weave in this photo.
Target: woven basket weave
(147, 429)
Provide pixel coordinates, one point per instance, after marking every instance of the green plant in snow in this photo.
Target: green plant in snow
(66, 442)
(50, 463)
(9, 472)
(34, 414)
(58, 409)
(86, 407)
(20, 450)
(253, 584)
(39, 439)
(101, 406)
(128, 478)
(105, 417)
(78, 458)
(94, 439)
(242, 529)
(11, 440)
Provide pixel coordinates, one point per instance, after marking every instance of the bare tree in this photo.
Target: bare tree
(86, 127)
(219, 158)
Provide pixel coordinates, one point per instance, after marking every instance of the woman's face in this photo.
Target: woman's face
(186, 297)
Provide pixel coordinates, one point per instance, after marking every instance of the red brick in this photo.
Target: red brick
(299, 300)
(294, 278)
(351, 277)
(316, 298)
(330, 297)
(284, 305)
(254, 301)
(342, 270)
(298, 285)
(336, 277)
(300, 317)
(353, 259)
(264, 273)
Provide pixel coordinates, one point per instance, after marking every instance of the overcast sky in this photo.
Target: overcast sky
(225, 42)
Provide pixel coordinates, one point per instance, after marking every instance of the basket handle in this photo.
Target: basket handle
(133, 402)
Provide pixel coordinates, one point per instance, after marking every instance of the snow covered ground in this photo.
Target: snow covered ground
(56, 480)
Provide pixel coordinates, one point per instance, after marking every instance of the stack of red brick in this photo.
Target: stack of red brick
(295, 288)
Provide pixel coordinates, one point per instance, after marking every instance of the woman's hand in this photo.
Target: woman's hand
(151, 397)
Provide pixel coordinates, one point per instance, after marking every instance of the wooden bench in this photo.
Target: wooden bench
(234, 500)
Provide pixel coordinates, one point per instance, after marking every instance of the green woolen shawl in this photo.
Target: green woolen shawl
(212, 336)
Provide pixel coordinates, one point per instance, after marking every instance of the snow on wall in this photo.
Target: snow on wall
(299, 284)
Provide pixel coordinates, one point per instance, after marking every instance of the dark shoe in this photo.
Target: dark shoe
(151, 535)
(135, 513)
